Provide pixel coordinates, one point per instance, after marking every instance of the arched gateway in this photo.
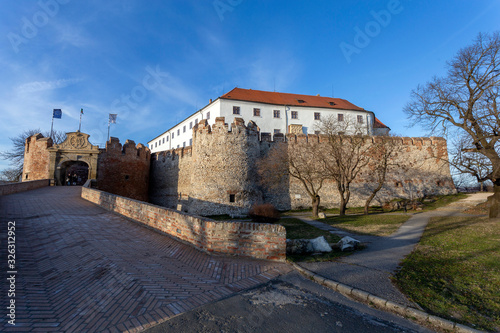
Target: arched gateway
(74, 155)
(119, 169)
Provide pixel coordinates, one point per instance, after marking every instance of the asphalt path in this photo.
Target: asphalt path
(290, 303)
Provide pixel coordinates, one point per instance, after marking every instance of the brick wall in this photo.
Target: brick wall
(6, 189)
(254, 240)
(36, 158)
(124, 170)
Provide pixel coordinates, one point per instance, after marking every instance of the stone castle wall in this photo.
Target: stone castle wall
(124, 170)
(36, 158)
(220, 168)
(421, 170)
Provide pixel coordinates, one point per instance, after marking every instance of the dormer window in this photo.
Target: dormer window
(301, 101)
(331, 103)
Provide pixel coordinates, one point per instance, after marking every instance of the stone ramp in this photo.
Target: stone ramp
(81, 268)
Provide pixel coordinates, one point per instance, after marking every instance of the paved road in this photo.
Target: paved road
(83, 269)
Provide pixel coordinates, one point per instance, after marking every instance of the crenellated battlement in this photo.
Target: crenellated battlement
(220, 127)
(129, 148)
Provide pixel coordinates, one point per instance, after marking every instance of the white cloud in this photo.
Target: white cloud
(46, 85)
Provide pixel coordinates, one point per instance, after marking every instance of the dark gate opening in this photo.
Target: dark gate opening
(74, 173)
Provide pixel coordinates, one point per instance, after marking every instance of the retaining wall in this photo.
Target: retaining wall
(24, 186)
(254, 240)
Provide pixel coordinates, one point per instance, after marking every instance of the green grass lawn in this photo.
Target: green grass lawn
(455, 271)
(373, 224)
(296, 229)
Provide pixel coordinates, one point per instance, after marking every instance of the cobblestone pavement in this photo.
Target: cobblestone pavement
(81, 268)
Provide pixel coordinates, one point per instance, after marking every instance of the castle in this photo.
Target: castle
(211, 166)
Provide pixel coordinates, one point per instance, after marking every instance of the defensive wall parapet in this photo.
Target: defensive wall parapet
(253, 240)
(12, 188)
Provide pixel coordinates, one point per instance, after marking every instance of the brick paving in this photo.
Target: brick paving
(84, 269)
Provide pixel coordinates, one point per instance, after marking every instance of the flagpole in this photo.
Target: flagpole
(80, 125)
(109, 122)
(52, 126)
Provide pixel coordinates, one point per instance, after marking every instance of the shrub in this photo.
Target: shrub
(264, 213)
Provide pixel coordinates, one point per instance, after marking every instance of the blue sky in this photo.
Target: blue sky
(156, 62)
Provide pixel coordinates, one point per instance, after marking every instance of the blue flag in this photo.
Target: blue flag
(57, 113)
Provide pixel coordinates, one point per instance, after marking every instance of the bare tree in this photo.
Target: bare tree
(300, 163)
(382, 154)
(465, 101)
(345, 155)
(16, 154)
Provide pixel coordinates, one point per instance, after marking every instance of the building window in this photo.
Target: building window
(340, 117)
(316, 132)
(295, 115)
(184, 144)
(177, 146)
(360, 119)
(232, 198)
(184, 129)
(208, 115)
(163, 140)
(178, 131)
(301, 101)
(276, 113)
(236, 110)
(331, 103)
(317, 116)
(190, 142)
(190, 124)
(156, 144)
(277, 131)
(159, 142)
(256, 112)
(167, 138)
(173, 135)
(196, 121)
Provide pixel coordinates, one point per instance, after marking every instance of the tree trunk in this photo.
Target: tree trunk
(494, 202)
(315, 206)
(374, 193)
(342, 205)
(367, 202)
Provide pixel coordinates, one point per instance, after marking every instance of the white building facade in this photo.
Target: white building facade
(274, 113)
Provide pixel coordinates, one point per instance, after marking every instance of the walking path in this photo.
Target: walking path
(81, 268)
(371, 269)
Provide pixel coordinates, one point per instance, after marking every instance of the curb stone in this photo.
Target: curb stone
(384, 304)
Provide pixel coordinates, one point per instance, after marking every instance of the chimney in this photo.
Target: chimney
(317, 95)
(210, 101)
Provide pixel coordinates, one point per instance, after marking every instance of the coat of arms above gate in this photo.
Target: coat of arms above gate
(76, 141)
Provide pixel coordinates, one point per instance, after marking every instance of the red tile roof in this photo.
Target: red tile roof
(278, 98)
(378, 124)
